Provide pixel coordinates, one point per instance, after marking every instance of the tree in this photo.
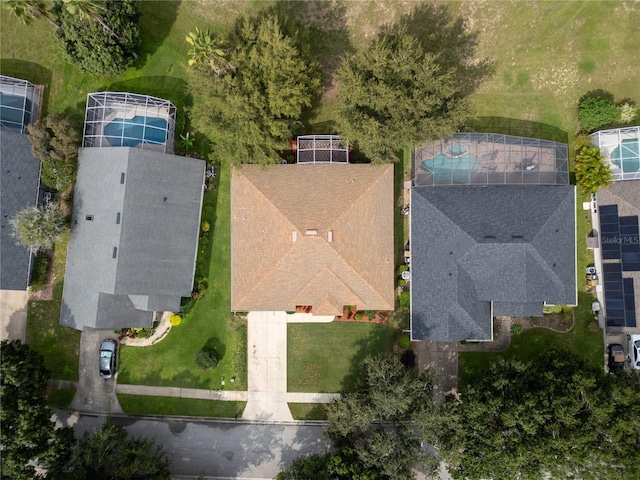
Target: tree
(110, 454)
(207, 358)
(28, 437)
(393, 95)
(553, 416)
(28, 10)
(99, 37)
(596, 110)
(55, 140)
(39, 227)
(207, 50)
(250, 112)
(592, 172)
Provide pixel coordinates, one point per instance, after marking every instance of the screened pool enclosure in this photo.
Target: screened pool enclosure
(490, 159)
(621, 149)
(119, 119)
(20, 103)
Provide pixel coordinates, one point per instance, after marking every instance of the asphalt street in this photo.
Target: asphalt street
(214, 448)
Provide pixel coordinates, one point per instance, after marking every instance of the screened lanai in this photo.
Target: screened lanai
(621, 149)
(120, 119)
(490, 159)
(322, 149)
(20, 103)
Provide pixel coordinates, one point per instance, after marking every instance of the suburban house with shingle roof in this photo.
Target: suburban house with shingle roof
(492, 233)
(134, 237)
(318, 235)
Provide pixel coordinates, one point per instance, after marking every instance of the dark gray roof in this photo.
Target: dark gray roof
(513, 245)
(20, 178)
(134, 235)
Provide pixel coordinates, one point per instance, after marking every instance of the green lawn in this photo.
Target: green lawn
(308, 411)
(171, 362)
(59, 345)
(191, 407)
(60, 398)
(326, 357)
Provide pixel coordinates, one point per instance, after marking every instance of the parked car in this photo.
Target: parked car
(634, 351)
(616, 360)
(108, 351)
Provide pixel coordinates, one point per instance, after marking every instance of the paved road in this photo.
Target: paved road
(217, 449)
(94, 394)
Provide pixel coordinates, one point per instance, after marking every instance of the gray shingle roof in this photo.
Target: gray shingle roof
(134, 236)
(512, 245)
(20, 178)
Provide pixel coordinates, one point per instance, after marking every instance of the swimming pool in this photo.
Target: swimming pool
(626, 156)
(15, 111)
(121, 132)
(447, 168)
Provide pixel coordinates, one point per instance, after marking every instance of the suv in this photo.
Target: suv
(108, 351)
(615, 353)
(634, 351)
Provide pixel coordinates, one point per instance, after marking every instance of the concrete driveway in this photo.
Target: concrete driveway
(13, 314)
(94, 394)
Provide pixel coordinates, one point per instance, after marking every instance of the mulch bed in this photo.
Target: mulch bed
(555, 321)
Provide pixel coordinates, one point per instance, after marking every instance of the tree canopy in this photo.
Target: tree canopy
(592, 172)
(55, 140)
(99, 37)
(39, 227)
(555, 416)
(28, 436)
(372, 428)
(251, 111)
(393, 95)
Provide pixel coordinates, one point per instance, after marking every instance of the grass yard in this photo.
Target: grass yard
(60, 346)
(190, 407)
(60, 398)
(171, 362)
(308, 411)
(326, 357)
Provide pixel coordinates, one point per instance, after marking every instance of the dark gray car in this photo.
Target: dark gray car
(108, 351)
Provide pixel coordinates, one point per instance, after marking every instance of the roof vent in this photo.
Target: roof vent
(330, 236)
(517, 237)
(311, 231)
(89, 218)
(489, 237)
(294, 236)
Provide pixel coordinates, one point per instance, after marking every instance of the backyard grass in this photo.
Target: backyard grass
(190, 407)
(60, 346)
(326, 357)
(308, 411)
(171, 362)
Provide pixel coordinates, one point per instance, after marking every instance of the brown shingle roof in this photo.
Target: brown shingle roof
(351, 203)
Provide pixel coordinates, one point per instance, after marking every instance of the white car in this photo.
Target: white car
(634, 351)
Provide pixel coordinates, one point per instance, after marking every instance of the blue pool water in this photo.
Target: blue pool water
(445, 167)
(627, 155)
(130, 132)
(14, 113)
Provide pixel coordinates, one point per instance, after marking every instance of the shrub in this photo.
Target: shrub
(175, 319)
(38, 228)
(400, 269)
(627, 113)
(595, 112)
(592, 172)
(204, 240)
(370, 314)
(359, 316)
(41, 264)
(405, 300)
(205, 226)
(580, 140)
(516, 329)
(207, 358)
(403, 341)
(402, 282)
(566, 310)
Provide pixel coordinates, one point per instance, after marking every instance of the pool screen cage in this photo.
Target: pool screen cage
(322, 149)
(621, 149)
(20, 103)
(121, 119)
(490, 159)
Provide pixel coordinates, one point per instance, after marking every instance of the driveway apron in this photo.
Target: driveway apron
(95, 394)
(267, 367)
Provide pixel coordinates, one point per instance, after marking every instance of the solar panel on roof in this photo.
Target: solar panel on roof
(631, 230)
(630, 248)
(630, 319)
(608, 209)
(632, 267)
(628, 221)
(631, 258)
(608, 220)
(611, 268)
(609, 228)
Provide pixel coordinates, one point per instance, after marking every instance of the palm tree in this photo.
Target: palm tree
(28, 10)
(206, 50)
(85, 10)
